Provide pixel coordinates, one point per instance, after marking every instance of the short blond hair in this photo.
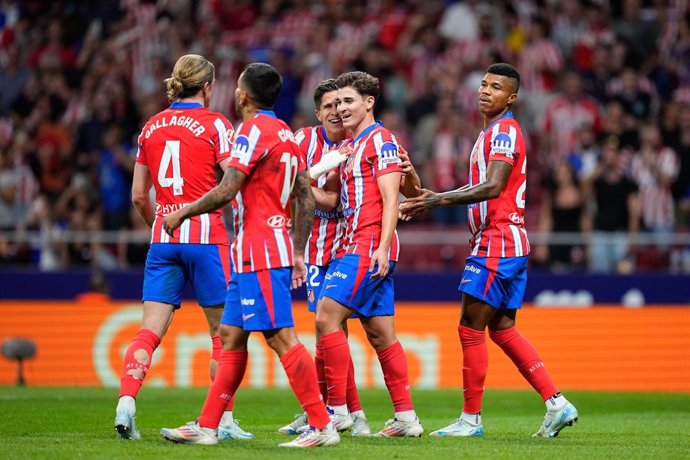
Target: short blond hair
(190, 74)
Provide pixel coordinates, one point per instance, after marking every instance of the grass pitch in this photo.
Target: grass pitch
(68, 423)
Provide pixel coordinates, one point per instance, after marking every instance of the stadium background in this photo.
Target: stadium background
(78, 79)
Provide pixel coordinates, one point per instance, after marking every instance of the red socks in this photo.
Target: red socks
(526, 358)
(352, 395)
(475, 361)
(336, 356)
(394, 367)
(216, 350)
(138, 357)
(302, 377)
(320, 371)
(231, 368)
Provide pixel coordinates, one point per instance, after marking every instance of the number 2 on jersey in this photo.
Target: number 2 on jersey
(520, 195)
(171, 154)
(290, 176)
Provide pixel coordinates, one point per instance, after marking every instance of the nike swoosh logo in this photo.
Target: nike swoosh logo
(331, 285)
(463, 281)
(246, 317)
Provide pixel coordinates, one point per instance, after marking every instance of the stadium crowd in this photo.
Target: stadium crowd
(604, 101)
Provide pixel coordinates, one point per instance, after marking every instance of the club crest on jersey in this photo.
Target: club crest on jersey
(310, 295)
(502, 144)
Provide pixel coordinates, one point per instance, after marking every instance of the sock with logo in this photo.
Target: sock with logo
(216, 350)
(137, 361)
(352, 395)
(301, 374)
(336, 355)
(475, 361)
(556, 402)
(526, 359)
(231, 368)
(320, 371)
(394, 366)
(472, 419)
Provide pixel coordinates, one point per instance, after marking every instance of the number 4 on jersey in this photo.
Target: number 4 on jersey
(171, 154)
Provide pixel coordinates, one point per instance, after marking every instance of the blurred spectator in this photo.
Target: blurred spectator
(540, 63)
(614, 217)
(634, 92)
(13, 76)
(681, 186)
(618, 123)
(655, 168)
(115, 168)
(449, 164)
(639, 32)
(562, 211)
(568, 113)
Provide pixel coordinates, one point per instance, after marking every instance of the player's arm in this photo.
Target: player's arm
(410, 184)
(330, 160)
(216, 198)
(141, 185)
(302, 223)
(389, 186)
(328, 197)
(497, 176)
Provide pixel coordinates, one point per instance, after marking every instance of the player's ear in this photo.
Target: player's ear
(317, 113)
(512, 98)
(370, 101)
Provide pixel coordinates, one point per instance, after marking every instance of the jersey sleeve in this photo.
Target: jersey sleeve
(222, 137)
(384, 155)
(302, 139)
(141, 153)
(246, 150)
(504, 142)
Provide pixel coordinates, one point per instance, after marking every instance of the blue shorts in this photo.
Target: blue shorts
(170, 266)
(259, 301)
(315, 278)
(348, 282)
(498, 281)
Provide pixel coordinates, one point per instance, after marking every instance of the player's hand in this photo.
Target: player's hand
(380, 263)
(299, 272)
(406, 164)
(425, 201)
(346, 150)
(172, 221)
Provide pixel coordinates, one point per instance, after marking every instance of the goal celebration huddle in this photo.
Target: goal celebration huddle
(320, 207)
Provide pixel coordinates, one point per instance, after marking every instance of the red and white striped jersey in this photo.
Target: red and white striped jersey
(181, 146)
(656, 199)
(265, 150)
(375, 154)
(324, 242)
(498, 225)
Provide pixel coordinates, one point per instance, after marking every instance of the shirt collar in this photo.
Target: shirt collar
(186, 105)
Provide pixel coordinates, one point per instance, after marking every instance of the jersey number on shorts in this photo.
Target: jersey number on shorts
(313, 274)
(171, 154)
(290, 176)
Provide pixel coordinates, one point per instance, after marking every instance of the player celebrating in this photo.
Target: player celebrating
(319, 143)
(264, 167)
(182, 146)
(361, 281)
(495, 276)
